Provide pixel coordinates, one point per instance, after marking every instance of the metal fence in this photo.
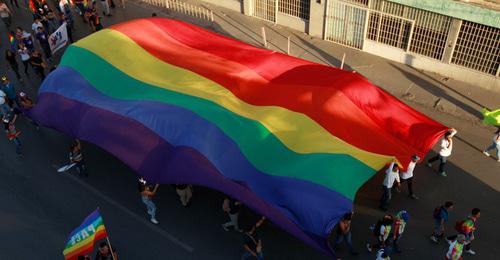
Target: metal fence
(183, 8)
(269, 9)
(430, 30)
(296, 8)
(478, 48)
(389, 29)
(345, 24)
(264, 9)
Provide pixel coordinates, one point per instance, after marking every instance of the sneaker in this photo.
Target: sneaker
(443, 174)
(470, 252)
(368, 247)
(429, 164)
(224, 227)
(154, 221)
(434, 239)
(414, 197)
(486, 153)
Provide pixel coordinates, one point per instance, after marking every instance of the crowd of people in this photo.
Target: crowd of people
(32, 48)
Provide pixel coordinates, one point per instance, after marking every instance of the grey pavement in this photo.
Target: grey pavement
(39, 207)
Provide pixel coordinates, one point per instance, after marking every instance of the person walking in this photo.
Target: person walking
(4, 107)
(185, 193)
(5, 14)
(64, 19)
(43, 40)
(27, 104)
(12, 133)
(440, 216)
(407, 176)
(456, 248)
(391, 176)
(76, 156)
(252, 243)
(10, 57)
(445, 151)
(24, 53)
(10, 92)
(105, 7)
(95, 21)
(400, 221)
(38, 64)
(147, 193)
(35, 25)
(381, 231)
(494, 145)
(342, 232)
(232, 208)
(467, 227)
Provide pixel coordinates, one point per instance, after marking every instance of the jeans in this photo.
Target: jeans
(105, 7)
(18, 145)
(247, 255)
(339, 238)
(409, 182)
(494, 146)
(442, 161)
(386, 197)
(232, 222)
(26, 63)
(437, 230)
(150, 206)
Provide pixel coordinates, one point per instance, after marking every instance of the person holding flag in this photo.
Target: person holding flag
(81, 241)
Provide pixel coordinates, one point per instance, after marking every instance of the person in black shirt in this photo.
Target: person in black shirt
(10, 57)
(43, 39)
(95, 21)
(38, 64)
(232, 208)
(252, 243)
(104, 252)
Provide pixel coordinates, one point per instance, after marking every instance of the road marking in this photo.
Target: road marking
(158, 230)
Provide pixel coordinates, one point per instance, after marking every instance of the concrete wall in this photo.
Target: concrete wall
(236, 5)
(293, 22)
(428, 64)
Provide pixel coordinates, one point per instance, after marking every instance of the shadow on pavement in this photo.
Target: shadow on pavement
(439, 89)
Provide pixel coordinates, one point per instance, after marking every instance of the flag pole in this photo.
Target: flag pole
(110, 248)
(107, 238)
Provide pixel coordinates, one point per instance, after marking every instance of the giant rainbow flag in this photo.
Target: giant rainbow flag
(294, 140)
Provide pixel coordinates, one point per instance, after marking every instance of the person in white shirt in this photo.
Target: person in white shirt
(35, 25)
(444, 152)
(407, 176)
(391, 176)
(494, 145)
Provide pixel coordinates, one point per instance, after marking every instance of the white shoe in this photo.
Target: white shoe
(486, 153)
(471, 252)
(429, 164)
(154, 221)
(434, 239)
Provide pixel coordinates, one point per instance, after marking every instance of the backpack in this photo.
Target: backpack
(460, 224)
(376, 229)
(436, 212)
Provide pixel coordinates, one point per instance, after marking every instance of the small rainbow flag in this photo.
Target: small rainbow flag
(81, 240)
(32, 6)
(491, 117)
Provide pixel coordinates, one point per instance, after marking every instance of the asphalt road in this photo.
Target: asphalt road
(40, 207)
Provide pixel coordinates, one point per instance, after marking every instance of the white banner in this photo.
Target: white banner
(59, 38)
